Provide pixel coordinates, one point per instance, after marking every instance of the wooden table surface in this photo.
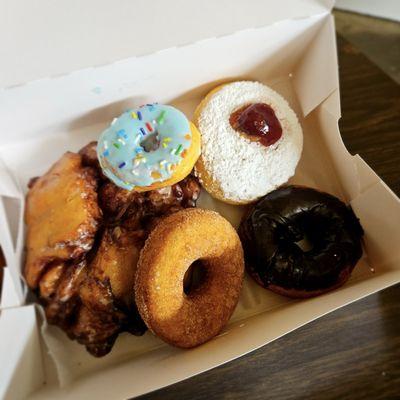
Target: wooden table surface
(352, 353)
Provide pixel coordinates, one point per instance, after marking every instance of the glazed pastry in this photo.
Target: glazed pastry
(51, 236)
(148, 148)
(251, 141)
(179, 240)
(272, 231)
(84, 239)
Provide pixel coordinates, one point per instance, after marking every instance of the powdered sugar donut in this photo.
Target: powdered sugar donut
(251, 141)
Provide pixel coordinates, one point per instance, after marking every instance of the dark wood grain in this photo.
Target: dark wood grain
(353, 353)
(370, 123)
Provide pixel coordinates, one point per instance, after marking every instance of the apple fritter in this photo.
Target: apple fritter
(114, 201)
(83, 243)
(97, 331)
(59, 289)
(106, 294)
(89, 156)
(49, 281)
(116, 260)
(94, 301)
(62, 216)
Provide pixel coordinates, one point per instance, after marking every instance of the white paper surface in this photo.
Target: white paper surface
(20, 353)
(11, 240)
(91, 32)
(9, 295)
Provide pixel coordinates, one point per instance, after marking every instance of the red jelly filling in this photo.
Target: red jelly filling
(258, 120)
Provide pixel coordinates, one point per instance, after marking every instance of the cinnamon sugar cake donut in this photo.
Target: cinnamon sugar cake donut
(179, 240)
(251, 141)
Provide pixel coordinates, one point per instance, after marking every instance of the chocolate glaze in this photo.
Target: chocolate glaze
(258, 120)
(270, 230)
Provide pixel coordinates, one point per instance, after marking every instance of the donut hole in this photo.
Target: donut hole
(313, 231)
(151, 142)
(194, 278)
(304, 244)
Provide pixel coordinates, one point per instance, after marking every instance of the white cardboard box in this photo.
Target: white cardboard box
(42, 119)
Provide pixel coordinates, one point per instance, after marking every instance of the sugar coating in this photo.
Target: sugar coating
(245, 170)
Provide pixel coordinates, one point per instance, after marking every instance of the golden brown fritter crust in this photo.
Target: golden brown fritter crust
(62, 216)
(115, 261)
(177, 241)
(107, 292)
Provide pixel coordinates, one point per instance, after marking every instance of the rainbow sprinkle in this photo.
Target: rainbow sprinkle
(148, 126)
(143, 131)
(122, 133)
(139, 115)
(116, 145)
(161, 117)
(178, 150)
(122, 165)
(106, 153)
(165, 142)
(155, 175)
(133, 115)
(138, 159)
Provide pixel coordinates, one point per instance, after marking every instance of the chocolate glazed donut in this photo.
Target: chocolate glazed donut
(271, 230)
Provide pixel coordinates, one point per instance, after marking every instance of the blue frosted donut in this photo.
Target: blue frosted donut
(144, 147)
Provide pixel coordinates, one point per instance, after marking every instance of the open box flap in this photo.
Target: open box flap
(11, 242)
(324, 71)
(103, 33)
(365, 191)
(20, 353)
(382, 229)
(11, 238)
(9, 295)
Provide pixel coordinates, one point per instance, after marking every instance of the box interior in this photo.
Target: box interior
(295, 57)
